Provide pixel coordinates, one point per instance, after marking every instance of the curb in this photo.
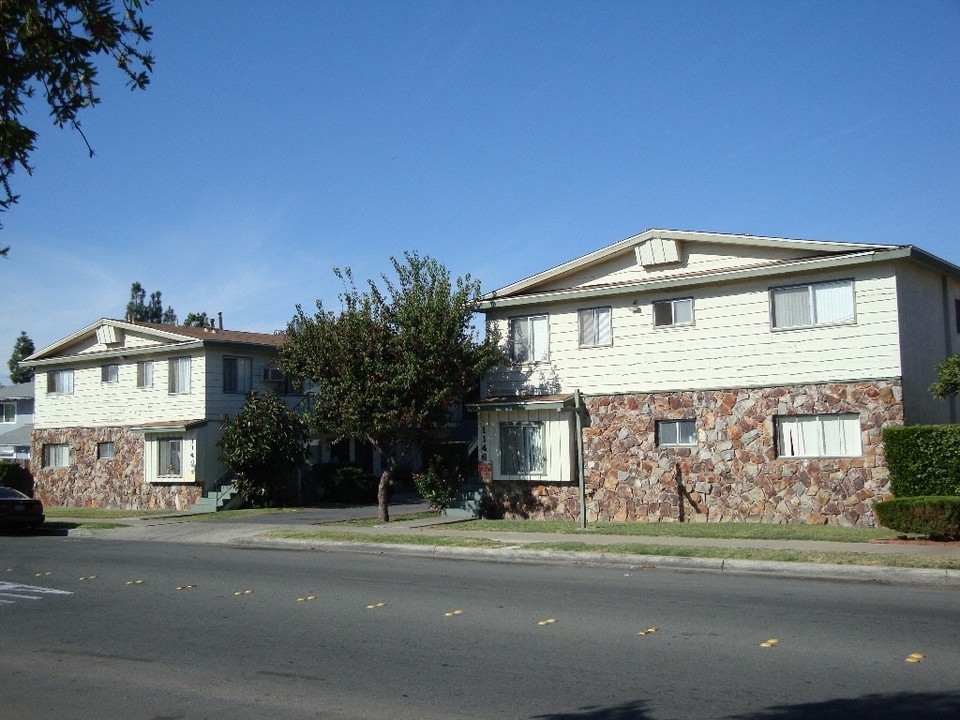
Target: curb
(813, 571)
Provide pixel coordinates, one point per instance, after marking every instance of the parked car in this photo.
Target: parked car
(18, 510)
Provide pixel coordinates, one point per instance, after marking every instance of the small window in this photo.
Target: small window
(237, 374)
(105, 451)
(170, 458)
(179, 379)
(819, 435)
(522, 449)
(676, 432)
(529, 339)
(109, 373)
(56, 455)
(826, 303)
(60, 382)
(956, 313)
(145, 374)
(595, 327)
(673, 312)
(8, 412)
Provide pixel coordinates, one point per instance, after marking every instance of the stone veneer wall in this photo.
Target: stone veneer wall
(734, 473)
(115, 483)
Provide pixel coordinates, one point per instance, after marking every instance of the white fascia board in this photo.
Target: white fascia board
(92, 328)
(94, 358)
(723, 276)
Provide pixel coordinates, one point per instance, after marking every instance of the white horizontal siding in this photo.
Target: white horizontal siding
(558, 442)
(730, 343)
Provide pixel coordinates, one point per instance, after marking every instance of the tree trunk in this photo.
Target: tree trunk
(383, 490)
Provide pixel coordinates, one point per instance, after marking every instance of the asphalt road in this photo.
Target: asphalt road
(94, 628)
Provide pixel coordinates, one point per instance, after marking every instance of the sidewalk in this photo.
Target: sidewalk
(514, 546)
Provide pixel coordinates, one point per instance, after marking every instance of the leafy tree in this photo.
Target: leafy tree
(138, 309)
(948, 378)
(54, 46)
(390, 364)
(264, 445)
(196, 320)
(22, 348)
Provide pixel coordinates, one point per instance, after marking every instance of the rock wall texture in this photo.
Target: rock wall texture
(733, 473)
(92, 482)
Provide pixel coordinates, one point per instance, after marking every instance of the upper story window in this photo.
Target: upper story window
(676, 432)
(110, 373)
(819, 435)
(60, 382)
(529, 339)
(673, 312)
(179, 378)
(8, 412)
(825, 303)
(237, 374)
(145, 374)
(595, 327)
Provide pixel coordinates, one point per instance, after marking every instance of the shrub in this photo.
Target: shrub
(936, 517)
(438, 483)
(349, 484)
(17, 477)
(923, 460)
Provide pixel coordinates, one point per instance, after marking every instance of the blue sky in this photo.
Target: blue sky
(279, 140)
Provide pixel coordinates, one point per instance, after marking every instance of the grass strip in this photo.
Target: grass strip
(347, 536)
(99, 513)
(722, 530)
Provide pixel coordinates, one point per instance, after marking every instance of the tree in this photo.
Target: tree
(54, 46)
(138, 309)
(948, 378)
(264, 445)
(196, 320)
(390, 364)
(22, 348)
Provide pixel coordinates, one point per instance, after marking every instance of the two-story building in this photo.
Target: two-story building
(703, 376)
(16, 421)
(128, 414)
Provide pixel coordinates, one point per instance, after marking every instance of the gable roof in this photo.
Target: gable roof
(548, 284)
(167, 336)
(18, 391)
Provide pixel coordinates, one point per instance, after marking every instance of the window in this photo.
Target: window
(179, 380)
(956, 313)
(237, 374)
(109, 373)
(521, 449)
(170, 457)
(676, 432)
(595, 327)
(825, 303)
(60, 382)
(528, 339)
(56, 455)
(8, 412)
(819, 435)
(673, 312)
(105, 451)
(145, 374)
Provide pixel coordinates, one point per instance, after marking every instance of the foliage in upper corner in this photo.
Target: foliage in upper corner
(948, 378)
(392, 363)
(54, 46)
(22, 348)
(264, 445)
(139, 309)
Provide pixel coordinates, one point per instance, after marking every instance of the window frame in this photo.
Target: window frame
(3, 412)
(110, 373)
(168, 442)
(532, 460)
(109, 446)
(672, 304)
(145, 370)
(52, 455)
(56, 384)
(533, 357)
(232, 384)
(818, 432)
(676, 424)
(812, 304)
(176, 375)
(599, 322)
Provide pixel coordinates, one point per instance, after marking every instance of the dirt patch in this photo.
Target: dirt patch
(904, 540)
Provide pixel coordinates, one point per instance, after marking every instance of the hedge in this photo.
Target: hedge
(17, 477)
(936, 517)
(923, 460)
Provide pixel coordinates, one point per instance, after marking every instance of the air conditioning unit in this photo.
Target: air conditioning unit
(272, 373)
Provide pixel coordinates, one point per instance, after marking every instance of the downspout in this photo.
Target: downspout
(577, 406)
